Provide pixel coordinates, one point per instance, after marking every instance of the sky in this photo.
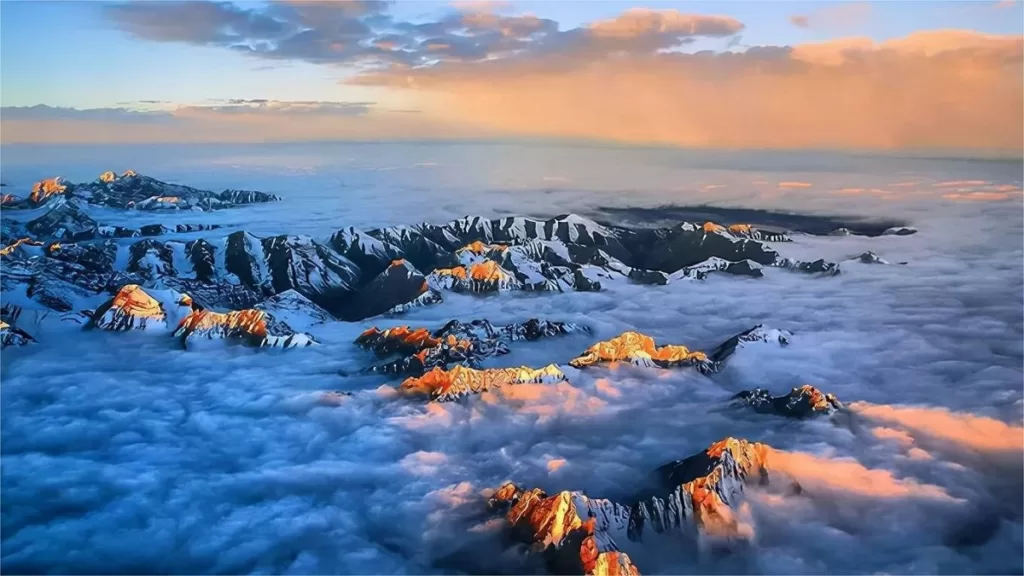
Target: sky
(879, 75)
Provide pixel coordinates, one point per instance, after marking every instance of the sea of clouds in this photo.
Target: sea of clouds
(123, 454)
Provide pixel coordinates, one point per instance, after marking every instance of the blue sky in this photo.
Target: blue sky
(67, 54)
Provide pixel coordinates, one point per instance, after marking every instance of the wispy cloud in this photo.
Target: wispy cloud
(800, 21)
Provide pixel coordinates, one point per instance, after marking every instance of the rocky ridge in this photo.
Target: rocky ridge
(454, 343)
(134, 191)
(579, 534)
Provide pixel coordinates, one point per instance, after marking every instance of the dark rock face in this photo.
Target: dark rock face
(456, 342)
(397, 289)
(11, 335)
(758, 333)
(64, 221)
(135, 191)
(801, 402)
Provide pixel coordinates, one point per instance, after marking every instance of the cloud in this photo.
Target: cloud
(365, 34)
(634, 77)
(836, 17)
(967, 430)
(850, 93)
(231, 120)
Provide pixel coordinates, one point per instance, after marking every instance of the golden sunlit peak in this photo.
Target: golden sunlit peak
(250, 321)
(477, 247)
(129, 173)
(458, 272)
(108, 176)
(487, 271)
(819, 402)
(712, 228)
(398, 262)
(638, 349)
(132, 299)
(443, 385)
(45, 188)
(565, 528)
(740, 228)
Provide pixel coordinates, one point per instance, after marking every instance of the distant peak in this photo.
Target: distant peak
(46, 188)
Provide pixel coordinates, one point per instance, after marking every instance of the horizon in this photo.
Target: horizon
(910, 78)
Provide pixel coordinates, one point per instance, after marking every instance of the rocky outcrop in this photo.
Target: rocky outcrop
(872, 258)
(800, 402)
(131, 190)
(132, 308)
(568, 529)
(442, 385)
(454, 343)
(698, 493)
(636, 348)
(485, 276)
(252, 327)
(399, 288)
(295, 310)
(10, 334)
(639, 349)
(757, 334)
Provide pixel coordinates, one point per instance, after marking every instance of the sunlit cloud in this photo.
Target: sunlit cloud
(966, 430)
(478, 69)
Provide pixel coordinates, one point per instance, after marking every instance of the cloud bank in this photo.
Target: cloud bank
(481, 70)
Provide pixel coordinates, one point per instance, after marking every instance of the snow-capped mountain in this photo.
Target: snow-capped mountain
(131, 190)
(356, 274)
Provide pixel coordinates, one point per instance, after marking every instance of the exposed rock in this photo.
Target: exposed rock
(702, 490)
(161, 230)
(64, 221)
(758, 333)
(454, 343)
(799, 403)
(295, 310)
(639, 349)
(370, 254)
(132, 308)
(701, 270)
(46, 189)
(135, 191)
(352, 275)
(899, 231)
(251, 326)
(699, 492)
(872, 258)
(12, 336)
(569, 529)
(447, 385)
(485, 276)
(398, 288)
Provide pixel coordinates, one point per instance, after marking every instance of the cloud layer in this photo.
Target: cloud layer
(479, 69)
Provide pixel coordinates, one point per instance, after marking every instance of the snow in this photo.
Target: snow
(124, 453)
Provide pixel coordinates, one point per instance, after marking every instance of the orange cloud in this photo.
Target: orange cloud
(945, 89)
(967, 430)
(847, 475)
